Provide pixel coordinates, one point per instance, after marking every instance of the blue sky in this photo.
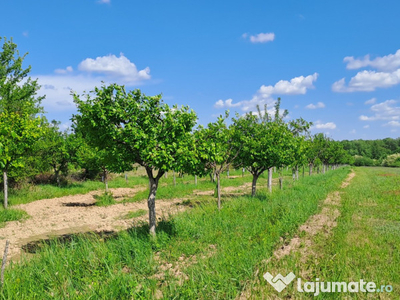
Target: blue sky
(335, 63)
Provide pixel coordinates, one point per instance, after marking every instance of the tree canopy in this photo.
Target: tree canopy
(135, 128)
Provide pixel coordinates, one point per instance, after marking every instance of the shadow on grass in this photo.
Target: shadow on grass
(140, 231)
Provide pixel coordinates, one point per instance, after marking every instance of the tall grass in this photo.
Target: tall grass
(364, 245)
(217, 251)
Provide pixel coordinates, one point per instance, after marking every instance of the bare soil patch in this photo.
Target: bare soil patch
(387, 174)
(393, 192)
(50, 218)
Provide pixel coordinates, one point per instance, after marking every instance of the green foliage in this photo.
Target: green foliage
(392, 160)
(363, 161)
(373, 149)
(19, 128)
(134, 128)
(216, 146)
(56, 149)
(17, 91)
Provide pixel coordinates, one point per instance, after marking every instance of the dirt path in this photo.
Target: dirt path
(319, 224)
(73, 214)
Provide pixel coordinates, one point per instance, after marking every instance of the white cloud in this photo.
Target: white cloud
(57, 89)
(387, 73)
(389, 62)
(366, 126)
(68, 69)
(225, 104)
(370, 101)
(90, 73)
(25, 33)
(115, 67)
(319, 125)
(392, 124)
(296, 86)
(104, 1)
(260, 38)
(315, 106)
(353, 131)
(387, 111)
(367, 81)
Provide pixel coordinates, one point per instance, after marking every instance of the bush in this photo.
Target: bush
(363, 161)
(392, 160)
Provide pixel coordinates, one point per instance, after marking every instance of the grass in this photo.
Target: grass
(46, 191)
(104, 199)
(218, 251)
(12, 215)
(364, 245)
(184, 186)
(135, 214)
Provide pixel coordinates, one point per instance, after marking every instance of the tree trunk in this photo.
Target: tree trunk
(254, 185)
(174, 178)
(126, 178)
(151, 203)
(218, 191)
(310, 169)
(166, 174)
(227, 173)
(195, 179)
(323, 168)
(297, 172)
(303, 171)
(242, 172)
(270, 180)
(280, 182)
(57, 173)
(5, 181)
(293, 174)
(105, 179)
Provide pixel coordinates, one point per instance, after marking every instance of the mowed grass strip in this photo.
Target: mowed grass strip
(212, 254)
(364, 245)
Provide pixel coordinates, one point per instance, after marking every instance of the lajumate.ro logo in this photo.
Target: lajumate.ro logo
(316, 287)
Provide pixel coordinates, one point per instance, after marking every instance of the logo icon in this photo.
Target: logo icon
(279, 282)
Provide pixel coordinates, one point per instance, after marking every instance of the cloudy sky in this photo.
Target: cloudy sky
(335, 63)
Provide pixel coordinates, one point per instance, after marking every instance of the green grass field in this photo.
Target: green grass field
(201, 253)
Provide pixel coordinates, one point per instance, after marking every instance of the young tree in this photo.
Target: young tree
(19, 126)
(18, 132)
(134, 128)
(55, 149)
(216, 149)
(265, 144)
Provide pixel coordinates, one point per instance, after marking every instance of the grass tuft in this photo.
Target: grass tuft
(104, 199)
(12, 214)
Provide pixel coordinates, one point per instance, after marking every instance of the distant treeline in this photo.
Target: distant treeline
(384, 152)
